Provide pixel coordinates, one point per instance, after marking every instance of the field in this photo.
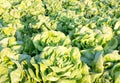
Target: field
(59, 41)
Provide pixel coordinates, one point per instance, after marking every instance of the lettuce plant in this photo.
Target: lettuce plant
(57, 64)
(50, 38)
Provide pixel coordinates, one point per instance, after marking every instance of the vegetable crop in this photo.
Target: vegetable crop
(59, 41)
